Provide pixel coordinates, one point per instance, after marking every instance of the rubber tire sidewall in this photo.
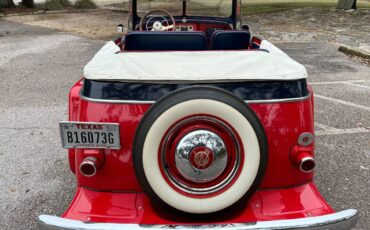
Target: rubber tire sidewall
(145, 165)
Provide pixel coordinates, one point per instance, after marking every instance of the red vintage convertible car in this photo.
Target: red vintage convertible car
(189, 122)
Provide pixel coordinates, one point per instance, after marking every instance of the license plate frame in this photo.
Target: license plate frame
(89, 135)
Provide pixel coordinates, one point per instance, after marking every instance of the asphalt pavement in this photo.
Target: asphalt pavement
(38, 66)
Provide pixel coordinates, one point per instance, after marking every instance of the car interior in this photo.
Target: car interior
(187, 25)
(156, 29)
(195, 40)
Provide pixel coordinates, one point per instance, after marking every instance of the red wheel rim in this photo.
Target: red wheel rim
(222, 179)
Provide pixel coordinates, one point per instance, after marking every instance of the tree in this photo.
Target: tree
(10, 3)
(7, 3)
(347, 4)
(28, 3)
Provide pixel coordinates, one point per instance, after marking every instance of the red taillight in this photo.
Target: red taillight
(305, 162)
(88, 166)
(93, 160)
(302, 155)
(305, 139)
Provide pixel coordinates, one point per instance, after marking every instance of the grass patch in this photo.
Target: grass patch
(55, 5)
(85, 4)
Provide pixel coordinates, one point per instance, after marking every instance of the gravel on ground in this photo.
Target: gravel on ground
(99, 24)
(300, 25)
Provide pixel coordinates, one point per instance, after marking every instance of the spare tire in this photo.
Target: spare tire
(200, 150)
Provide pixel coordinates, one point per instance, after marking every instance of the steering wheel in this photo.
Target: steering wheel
(157, 20)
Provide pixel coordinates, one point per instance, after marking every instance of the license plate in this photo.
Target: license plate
(92, 135)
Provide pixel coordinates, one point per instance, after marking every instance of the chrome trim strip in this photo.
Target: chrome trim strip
(114, 101)
(296, 99)
(338, 221)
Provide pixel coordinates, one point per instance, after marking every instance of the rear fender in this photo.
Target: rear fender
(73, 105)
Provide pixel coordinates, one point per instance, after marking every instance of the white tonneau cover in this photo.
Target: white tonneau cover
(109, 64)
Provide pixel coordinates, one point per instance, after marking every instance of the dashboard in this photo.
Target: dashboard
(205, 27)
(184, 28)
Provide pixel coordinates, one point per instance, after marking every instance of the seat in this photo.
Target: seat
(150, 41)
(230, 39)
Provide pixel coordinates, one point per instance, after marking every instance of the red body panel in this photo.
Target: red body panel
(290, 203)
(73, 102)
(114, 193)
(283, 123)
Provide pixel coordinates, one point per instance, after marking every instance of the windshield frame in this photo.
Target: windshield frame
(234, 19)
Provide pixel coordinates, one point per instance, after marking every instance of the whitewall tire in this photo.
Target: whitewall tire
(185, 103)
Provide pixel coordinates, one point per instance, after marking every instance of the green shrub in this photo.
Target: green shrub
(66, 3)
(85, 4)
(57, 4)
(6, 4)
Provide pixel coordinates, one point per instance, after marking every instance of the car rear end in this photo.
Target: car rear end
(192, 153)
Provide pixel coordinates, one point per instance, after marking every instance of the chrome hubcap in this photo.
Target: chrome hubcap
(201, 156)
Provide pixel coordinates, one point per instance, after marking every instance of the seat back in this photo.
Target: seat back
(230, 39)
(146, 40)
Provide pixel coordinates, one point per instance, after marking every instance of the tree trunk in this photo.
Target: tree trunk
(347, 4)
(28, 3)
(10, 3)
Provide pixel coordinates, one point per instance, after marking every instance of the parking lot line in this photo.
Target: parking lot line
(342, 102)
(356, 85)
(327, 132)
(338, 82)
(322, 126)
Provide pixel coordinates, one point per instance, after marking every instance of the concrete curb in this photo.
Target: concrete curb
(53, 12)
(115, 9)
(354, 51)
(27, 13)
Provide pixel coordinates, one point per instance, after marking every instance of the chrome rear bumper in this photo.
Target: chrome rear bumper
(341, 220)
